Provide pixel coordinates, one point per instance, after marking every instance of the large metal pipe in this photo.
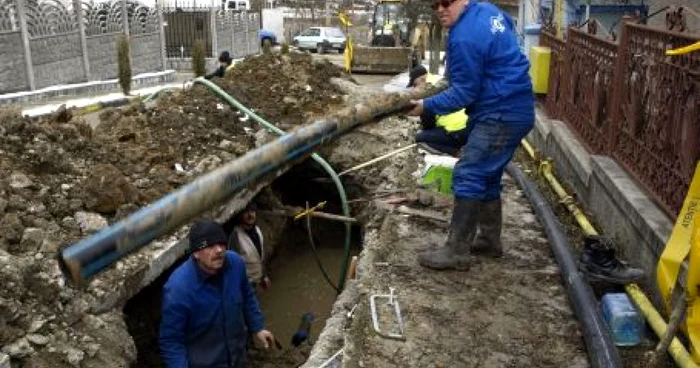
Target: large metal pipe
(90, 256)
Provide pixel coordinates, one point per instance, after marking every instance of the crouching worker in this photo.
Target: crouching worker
(224, 64)
(440, 133)
(209, 306)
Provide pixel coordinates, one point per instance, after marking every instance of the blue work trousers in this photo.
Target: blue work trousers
(490, 145)
(440, 139)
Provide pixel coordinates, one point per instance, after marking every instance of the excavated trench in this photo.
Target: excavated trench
(305, 273)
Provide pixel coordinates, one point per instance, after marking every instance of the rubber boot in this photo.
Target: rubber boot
(598, 262)
(488, 241)
(455, 253)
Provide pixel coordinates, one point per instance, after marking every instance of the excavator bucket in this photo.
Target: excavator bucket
(381, 60)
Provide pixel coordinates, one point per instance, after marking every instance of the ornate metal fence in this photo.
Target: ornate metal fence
(632, 102)
(657, 117)
(219, 30)
(587, 102)
(556, 68)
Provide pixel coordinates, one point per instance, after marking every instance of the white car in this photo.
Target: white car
(321, 39)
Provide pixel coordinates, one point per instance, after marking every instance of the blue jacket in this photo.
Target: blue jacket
(203, 327)
(487, 72)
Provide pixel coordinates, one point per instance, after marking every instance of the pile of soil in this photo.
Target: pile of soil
(60, 181)
(287, 89)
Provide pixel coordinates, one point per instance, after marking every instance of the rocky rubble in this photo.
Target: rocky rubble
(61, 181)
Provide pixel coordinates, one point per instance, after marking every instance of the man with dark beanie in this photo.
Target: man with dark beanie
(224, 63)
(209, 306)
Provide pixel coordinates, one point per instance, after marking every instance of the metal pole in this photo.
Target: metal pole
(92, 255)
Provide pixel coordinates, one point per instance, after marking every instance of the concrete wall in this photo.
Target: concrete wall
(240, 48)
(57, 59)
(253, 28)
(224, 32)
(63, 44)
(102, 56)
(619, 207)
(185, 64)
(146, 53)
(13, 75)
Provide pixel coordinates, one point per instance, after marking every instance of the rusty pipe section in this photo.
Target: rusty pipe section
(92, 255)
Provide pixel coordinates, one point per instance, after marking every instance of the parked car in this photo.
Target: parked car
(321, 39)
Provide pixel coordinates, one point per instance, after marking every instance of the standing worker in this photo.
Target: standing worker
(488, 75)
(209, 306)
(441, 133)
(248, 241)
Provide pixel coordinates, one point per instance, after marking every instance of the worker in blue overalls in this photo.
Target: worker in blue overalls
(488, 75)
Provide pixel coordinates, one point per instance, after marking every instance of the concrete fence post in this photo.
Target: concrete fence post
(233, 33)
(22, 16)
(247, 34)
(78, 8)
(125, 17)
(212, 25)
(161, 27)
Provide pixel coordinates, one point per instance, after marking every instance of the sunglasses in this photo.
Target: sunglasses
(443, 3)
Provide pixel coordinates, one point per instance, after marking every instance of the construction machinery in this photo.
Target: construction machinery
(391, 40)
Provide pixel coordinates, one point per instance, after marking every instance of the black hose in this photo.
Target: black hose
(601, 349)
(316, 255)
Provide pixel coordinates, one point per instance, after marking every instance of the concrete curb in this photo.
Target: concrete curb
(621, 208)
(142, 80)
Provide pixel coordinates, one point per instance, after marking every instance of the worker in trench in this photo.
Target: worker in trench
(488, 75)
(209, 307)
(247, 240)
(439, 134)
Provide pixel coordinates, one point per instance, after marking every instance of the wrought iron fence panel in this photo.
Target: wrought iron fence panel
(657, 121)
(587, 103)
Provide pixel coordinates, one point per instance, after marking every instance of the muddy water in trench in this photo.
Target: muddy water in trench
(298, 285)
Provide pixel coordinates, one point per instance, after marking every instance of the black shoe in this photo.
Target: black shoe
(454, 255)
(427, 148)
(599, 263)
(488, 242)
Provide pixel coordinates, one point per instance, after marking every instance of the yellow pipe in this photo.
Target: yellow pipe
(684, 50)
(675, 349)
(529, 149)
(657, 323)
(567, 200)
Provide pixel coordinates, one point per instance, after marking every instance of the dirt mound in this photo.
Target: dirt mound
(287, 89)
(61, 181)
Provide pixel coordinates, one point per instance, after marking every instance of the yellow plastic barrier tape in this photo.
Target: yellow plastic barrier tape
(685, 233)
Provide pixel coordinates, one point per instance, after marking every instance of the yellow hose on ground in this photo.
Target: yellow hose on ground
(676, 349)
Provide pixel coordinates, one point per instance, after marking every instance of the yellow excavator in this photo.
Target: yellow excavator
(393, 41)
